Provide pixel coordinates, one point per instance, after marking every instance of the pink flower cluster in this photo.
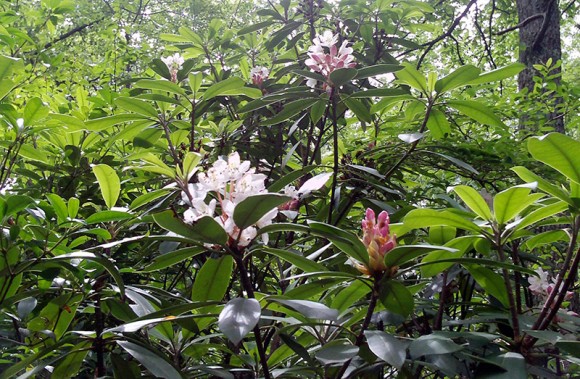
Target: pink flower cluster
(259, 74)
(377, 240)
(541, 286)
(325, 56)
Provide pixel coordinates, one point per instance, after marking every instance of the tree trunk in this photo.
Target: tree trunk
(540, 41)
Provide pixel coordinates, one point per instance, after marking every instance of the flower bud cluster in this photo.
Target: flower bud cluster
(378, 241)
(230, 181)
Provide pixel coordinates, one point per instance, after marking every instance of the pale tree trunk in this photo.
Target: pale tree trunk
(539, 41)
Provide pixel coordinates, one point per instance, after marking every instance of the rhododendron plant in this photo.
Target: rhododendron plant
(259, 74)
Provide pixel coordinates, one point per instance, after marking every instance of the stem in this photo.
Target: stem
(366, 322)
(442, 300)
(247, 285)
(335, 152)
(98, 343)
(192, 136)
(510, 293)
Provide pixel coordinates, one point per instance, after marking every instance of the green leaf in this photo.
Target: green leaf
(432, 344)
(71, 365)
(230, 86)
(336, 352)
(474, 201)
(423, 218)
(297, 260)
(514, 365)
(102, 260)
(490, 281)
(205, 230)
(379, 92)
(396, 297)
(499, 74)
(438, 124)
(151, 360)
(386, 347)
(73, 207)
(138, 106)
(405, 253)
(348, 243)
(173, 257)
(238, 318)
(379, 69)
(477, 111)
(541, 213)
(59, 207)
(213, 279)
(7, 65)
(109, 183)
(460, 77)
(529, 177)
(310, 309)
(432, 264)
(546, 238)
(291, 109)
(350, 295)
(361, 111)
(559, 152)
(16, 203)
(409, 75)
(99, 124)
(161, 85)
(250, 210)
(108, 216)
(34, 111)
(570, 347)
(510, 202)
(342, 76)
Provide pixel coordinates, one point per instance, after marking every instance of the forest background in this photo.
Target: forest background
(182, 186)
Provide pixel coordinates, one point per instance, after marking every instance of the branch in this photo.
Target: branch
(71, 32)
(449, 31)
(521, 24)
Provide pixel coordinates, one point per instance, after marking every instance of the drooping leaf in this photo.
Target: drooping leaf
(238, 318)
(310, 309)
(151, 360)
(559, 152)
(213, 279)
(109, 183)
(361, 111)
(253, 208)
(348, 243)
(386, 347)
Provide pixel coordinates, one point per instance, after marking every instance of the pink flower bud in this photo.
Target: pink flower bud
(377, 240)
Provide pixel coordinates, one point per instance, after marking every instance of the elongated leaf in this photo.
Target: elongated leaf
(358, 108)
(342, 76)
(34, 111)
(477, 111)
(422, 218)
(59, 207)
(205, 230)
(336, 353)
(108, 216)
(396, 298)
(308, 308)
(541, 214)
(438, 124)
(474, 201)
(297, 260)
(433, 264)
(239, 317)
(138, 106)
(350, 295)
(162, 85)
(559, 152)
(290, 110)
(15, 204)
(432, 344)
(250, 210)
(103, 261)
(348, 243)
(513, 363)
(151, 360)
(460, 77)
(70, 366)
(379, 69)
(528, 176)
(386, 347)
(109, 183)
(173, 257)
(405, 253)
(212, 280)
(99, 124)
(499, 74)
(509, 203)
(230, 86)
(490, 281)
(409, 75)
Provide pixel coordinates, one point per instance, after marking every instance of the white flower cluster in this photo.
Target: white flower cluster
(259, 74)
(174, 64)
(231, 182)
(541, 286)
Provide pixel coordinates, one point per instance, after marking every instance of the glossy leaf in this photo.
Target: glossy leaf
(432, 344)
(310, 309)
(409, 75)
(109, 183)
(250, 210)
(386, 347)
(348, 243)
(396, 298)
(499, 74)
(510, 202)
(336, 353)
(423, 218)
(559, 152)
(405, 253)
(342, 76)
(490, 281)
(238, 318)
(213, 279)
(151, 360)
(297, 260)
(173, 257)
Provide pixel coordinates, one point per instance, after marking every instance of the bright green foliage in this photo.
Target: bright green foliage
(184, 198)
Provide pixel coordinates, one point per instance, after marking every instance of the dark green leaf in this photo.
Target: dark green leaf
(405, 253)
(308, 308)
(151, 360)
(213, 279)
(290, 110)
(297, 260)
(336, 353)
(250, 210)
(205, 230)
(423, 218)
(432, 344)
(386, 347)
(173, 257)
(396, 298)
(379, 69)
(490, 281)
(342, 76)
(348, 243)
